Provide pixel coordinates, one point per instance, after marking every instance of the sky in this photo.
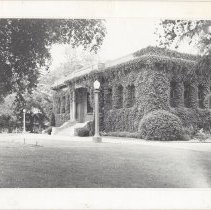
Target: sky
(124, 36)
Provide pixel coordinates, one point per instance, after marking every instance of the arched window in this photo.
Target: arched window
(187, 96)
(130, 95)
(119, 101)
(201, 96)
(109, 98)
(173, 94)
(58, 106)
(63, 104)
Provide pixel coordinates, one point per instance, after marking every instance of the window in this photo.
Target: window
(89, 107)
(187, 96)
(172, 94)
(119, 102)
(201, 96)
(130, 95)
(109, 98)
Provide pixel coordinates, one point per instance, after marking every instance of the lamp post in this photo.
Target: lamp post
(24, 121)
(97, 138)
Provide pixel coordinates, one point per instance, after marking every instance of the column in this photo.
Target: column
(74, 106)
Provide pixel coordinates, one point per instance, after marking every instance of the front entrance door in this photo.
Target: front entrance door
(80, 113)
(81, 104)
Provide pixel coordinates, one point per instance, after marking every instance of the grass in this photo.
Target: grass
(87, 164)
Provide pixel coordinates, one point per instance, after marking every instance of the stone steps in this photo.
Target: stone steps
(64, 130)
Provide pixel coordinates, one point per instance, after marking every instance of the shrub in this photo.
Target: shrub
(201, 135)
(48, 130)
(195, 118)
(189, 132)
(161, 125)
(82, 132)
(90, 126)
(122, 134)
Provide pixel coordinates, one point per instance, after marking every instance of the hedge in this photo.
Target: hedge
(82, 132)
(161, 125)
(195, 118)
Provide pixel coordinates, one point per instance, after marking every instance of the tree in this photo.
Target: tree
(40, 99)
(25, 45)
(171, 33)
(73, 59)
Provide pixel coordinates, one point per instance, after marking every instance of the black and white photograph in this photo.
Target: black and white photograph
(105, 102)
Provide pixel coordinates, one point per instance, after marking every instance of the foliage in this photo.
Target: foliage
(38, 106)
(163, 52)
(74, 60)
(155, 58)
(7, 122)
(81, 132)
(151, 75)
(201, 135)
(25, 44)
(48, 130)
(122, 134)
(173, 32)
(90, 126)
(161, 125)
(151, 85)
(154, 89)
(195, 118)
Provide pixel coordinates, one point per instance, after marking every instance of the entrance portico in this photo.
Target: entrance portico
(82, 110)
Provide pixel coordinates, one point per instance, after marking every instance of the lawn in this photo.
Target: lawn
(87, 164)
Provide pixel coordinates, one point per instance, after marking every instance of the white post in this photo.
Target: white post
(24, 121)
(96, 138)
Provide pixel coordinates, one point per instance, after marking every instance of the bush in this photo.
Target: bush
(189, 131)
(90, 126)
(122, 134)
(201, 135)
(194, 119)
(161, 125)
(48, 130)
(82, 132)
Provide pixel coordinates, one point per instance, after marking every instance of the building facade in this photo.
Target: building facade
(148, 80)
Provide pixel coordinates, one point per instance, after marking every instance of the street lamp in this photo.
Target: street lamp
(97, 138)
(24, 121)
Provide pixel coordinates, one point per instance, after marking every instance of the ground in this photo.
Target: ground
(45, 161)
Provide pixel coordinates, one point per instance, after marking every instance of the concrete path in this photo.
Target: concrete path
(44, 139)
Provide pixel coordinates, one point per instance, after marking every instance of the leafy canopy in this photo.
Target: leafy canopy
(171, 33)
(25, 45)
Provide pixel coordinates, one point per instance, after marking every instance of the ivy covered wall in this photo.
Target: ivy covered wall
(61, 108)
(150, 75)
